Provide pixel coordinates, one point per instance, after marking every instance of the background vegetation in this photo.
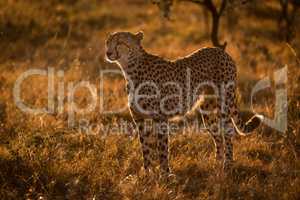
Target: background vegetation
(42, 158)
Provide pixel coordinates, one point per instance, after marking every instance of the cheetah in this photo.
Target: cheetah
(159, 89)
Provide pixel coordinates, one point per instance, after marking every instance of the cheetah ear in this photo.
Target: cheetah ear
(139, 35)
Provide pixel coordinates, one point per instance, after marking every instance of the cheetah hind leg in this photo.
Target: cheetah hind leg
(224, 152)
(219, 147)
(229, 131)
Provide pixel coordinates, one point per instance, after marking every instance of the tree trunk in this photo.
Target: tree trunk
(215, 22)
(287, 18)
(215, 31)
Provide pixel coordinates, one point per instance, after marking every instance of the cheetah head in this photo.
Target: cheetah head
(119, 44)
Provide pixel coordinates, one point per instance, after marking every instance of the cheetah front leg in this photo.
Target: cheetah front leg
(162, 130)
(148, 142)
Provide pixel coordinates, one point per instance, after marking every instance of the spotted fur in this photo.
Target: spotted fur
(180, 84)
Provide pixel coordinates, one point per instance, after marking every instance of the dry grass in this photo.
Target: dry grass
(41, 157)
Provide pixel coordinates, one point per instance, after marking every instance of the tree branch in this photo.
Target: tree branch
(210, 6)
(194, 1)
(222, 8)
(215, 13)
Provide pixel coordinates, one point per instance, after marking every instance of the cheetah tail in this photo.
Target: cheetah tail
(249, 126)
